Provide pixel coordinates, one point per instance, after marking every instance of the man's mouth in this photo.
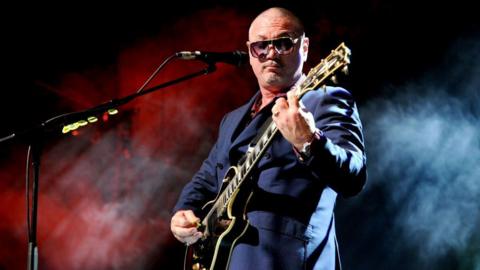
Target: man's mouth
(272, 66)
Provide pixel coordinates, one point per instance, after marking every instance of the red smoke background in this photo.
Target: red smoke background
(106, 193)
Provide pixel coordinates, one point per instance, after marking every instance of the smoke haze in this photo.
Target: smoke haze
(423, 145)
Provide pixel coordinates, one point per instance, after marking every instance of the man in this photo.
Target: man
(319, 154)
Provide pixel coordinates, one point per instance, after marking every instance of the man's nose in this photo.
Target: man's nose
(271, 52)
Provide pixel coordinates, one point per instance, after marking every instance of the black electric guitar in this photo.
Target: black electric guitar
(226, 221)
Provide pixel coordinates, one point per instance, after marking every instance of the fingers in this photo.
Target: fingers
(280, 106)
(275, 112)
(185, 219)
(296, 123)
(292, 100)
(184, 226)
(187, 236)
(186, 232)
(190, 217)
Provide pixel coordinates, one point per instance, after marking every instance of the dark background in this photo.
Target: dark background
(106, 193)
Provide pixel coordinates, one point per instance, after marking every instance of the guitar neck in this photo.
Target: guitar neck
(252, 157)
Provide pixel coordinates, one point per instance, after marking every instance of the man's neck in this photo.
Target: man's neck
(269, 94)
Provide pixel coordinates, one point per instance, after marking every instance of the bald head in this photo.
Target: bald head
(281, 63)
(275, 15)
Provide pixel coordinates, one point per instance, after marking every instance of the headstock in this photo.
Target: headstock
(337, 59)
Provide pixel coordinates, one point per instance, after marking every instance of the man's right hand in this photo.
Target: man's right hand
(184, 226)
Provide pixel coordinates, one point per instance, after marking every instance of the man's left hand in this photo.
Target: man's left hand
(297, 127)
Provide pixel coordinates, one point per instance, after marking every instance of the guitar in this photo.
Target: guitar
(226, 221)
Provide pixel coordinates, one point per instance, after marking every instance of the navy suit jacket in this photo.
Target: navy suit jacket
(293, 204)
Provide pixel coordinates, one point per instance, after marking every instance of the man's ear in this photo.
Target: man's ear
(305, 44)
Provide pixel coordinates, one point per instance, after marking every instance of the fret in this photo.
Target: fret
(220, 212)
(256, 152)
(264, 141)
(269, 133)
(235, 181)
(239, 173)
(273, 127)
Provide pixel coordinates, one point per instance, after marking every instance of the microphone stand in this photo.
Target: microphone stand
(35, 148)
(34, 137)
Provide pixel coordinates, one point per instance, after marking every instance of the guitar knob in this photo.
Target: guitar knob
(345, 70)
(196, 266)
(334, 79)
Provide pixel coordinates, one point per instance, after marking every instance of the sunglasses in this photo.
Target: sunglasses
(283, 45)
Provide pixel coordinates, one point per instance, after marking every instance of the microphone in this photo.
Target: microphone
(236, 58)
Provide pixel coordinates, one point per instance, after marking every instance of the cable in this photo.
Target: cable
(155, 72)
(27, 191)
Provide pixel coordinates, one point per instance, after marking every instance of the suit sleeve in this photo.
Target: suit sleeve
(338, 157)
(203, 187)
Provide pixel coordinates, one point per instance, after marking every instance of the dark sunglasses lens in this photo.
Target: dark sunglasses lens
(259, 48)
(283, 45)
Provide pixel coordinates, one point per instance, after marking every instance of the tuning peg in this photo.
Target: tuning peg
(345, 70)
(334, 79)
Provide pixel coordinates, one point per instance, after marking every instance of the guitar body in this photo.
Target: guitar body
(212, 252)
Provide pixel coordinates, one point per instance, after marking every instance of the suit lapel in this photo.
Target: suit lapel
(246, 133)
(235, 121)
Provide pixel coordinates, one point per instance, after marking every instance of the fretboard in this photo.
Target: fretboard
(252, 157)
